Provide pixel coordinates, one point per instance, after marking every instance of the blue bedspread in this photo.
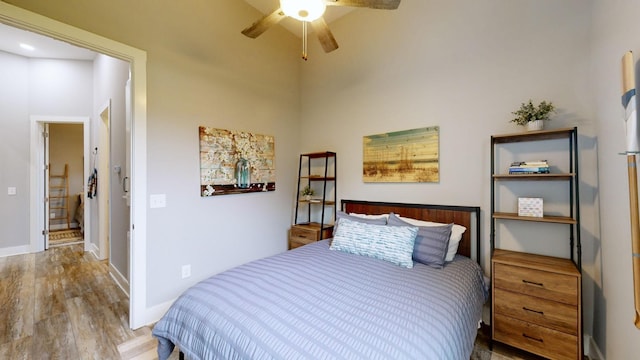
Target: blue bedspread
(314, 303)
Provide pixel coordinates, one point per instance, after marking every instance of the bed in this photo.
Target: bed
(314, 302)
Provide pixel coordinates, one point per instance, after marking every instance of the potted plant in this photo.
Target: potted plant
(307, 192)
(533, 116)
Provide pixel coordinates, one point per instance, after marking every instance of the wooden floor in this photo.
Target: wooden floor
(61, 304)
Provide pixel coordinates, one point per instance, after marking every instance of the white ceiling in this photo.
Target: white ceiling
(44, 47)
(294, 26)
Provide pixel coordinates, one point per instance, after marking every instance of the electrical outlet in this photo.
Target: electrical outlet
(11, 191)
(186, 271)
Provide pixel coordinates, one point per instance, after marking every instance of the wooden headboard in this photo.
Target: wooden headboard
(460, 215)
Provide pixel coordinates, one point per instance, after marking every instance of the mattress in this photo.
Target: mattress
(315, 303)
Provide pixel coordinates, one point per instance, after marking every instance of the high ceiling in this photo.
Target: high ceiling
(46, 47)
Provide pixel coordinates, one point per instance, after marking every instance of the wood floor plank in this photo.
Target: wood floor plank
(88, 329)
(17, 296)
(55, 338)
(49, 297)
(19, 349)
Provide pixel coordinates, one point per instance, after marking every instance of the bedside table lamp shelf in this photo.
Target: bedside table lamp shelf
(310, 223)
(537, 299)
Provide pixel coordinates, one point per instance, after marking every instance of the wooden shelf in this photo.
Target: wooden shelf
(546, 218)
(317, 170)
(533, 136)
(318, 178)
(317, 155)
(328, 203)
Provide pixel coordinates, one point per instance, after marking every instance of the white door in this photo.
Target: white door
(45, 167)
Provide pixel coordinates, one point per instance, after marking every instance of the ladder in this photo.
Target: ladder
(59, 198)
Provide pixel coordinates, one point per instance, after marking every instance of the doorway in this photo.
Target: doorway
(64, 180)
(40, 156)
(139, 313)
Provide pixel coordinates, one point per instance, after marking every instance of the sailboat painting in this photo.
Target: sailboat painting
(402, 156)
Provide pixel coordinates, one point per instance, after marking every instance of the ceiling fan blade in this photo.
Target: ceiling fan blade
(260, 26)
(373, 4)
(325, 36)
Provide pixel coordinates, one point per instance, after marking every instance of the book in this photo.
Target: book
(529, 171)
(530, 163)
(528, 168)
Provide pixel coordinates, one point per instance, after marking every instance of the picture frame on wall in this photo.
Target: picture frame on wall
(411, 156)
(235, 162)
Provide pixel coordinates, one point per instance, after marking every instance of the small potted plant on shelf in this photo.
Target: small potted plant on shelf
(307, 192)
(533, 116)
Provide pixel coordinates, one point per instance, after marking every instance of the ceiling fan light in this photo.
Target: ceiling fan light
(303, 10)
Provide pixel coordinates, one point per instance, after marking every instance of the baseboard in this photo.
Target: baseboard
(120, 280)
(93, 249)
(15, 250)
(591, 349)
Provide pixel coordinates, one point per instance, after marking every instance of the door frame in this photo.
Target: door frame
(103, 164)
(139, 314)
(38, 180)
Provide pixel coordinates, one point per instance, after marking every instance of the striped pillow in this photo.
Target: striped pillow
(390, 243)
(431, 243)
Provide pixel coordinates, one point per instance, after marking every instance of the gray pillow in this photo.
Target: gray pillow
(343, 215)
(431, 242)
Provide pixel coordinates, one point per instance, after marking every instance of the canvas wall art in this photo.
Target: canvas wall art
(235, 162)
(402, 156)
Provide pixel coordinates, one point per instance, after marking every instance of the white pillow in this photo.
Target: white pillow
(365, 216)
(389, 243)
(454, 240)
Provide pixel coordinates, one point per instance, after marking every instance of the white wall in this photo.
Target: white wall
(464, 66)
(14, 154)
(33, 87)
(615, 31)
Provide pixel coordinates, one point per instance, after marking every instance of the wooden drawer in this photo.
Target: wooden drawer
(304, 234)
(551, 314)
(543, 284)
(536, 339)
(295, 241)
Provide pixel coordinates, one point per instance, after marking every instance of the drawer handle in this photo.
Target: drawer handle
(531, 310)
(532, 283)
(532, 338)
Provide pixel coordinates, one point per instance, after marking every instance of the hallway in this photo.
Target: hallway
(61, 304)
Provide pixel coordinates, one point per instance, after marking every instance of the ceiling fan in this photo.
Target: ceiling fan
(311, 11)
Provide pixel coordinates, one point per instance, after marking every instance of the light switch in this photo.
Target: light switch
(157, 201)
(11, 190)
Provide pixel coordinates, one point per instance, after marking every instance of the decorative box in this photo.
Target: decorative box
(530, 207)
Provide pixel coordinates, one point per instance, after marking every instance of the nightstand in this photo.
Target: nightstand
(302, 234)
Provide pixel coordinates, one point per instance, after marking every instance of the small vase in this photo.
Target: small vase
(535, 125)
(243, 173)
